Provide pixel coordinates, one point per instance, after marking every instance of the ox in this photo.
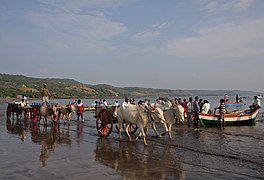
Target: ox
(48, 111)
(172, 115)
(137, 114)
(13, 108)
(65, 112)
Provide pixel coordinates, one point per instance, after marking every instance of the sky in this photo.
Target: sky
(165, 44)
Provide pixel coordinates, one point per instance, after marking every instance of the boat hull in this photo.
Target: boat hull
(230, 119)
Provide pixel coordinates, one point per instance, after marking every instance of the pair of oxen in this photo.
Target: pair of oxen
(56, 112)
(145, 116)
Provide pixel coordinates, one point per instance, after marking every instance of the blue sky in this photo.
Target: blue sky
(171, 44)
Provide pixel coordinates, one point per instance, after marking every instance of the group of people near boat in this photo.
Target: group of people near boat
(193, 108)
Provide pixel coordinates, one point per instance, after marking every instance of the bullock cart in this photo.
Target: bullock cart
(16, 108)
(35, 114)
(106, 117)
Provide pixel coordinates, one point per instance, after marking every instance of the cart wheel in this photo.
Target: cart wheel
(104, 123)
(34, 115)
(27, 113)
(55, 118)
(132, 128)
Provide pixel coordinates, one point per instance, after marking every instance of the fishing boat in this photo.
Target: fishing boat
(92, 108)
(234, 104)
(89, 108)
(236, 117)
(242, 118)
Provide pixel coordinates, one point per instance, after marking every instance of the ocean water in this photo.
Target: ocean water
(76, 151)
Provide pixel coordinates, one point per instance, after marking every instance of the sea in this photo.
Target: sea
(75, 150)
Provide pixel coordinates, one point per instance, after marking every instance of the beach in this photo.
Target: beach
(75, 151)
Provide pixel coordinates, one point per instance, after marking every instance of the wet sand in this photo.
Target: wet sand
(77, 152)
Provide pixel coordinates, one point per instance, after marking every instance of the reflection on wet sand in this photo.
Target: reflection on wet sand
(79, 132)
(48, 136)
(18, 127)
(135, 162)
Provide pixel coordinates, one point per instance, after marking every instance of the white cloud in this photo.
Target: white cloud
(219, 6)
(243, 4)
(152, 33)
(67, 30)
(79, 5)
(162, 25)
(145, 36)
(223, 41)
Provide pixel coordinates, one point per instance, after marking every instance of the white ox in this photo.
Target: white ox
(172, 115)
(137, 114)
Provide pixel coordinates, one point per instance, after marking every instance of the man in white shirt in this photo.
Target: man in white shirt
(206, 107)
(116, 104)
(256, 104)
(104, 103)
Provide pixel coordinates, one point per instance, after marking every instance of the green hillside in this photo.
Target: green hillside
(12, 85)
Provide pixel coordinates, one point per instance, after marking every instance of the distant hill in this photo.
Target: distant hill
(12, 85)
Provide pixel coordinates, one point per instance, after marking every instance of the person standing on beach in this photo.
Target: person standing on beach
(45, 94)
(200, 104)
(226, 98)
(190, 111)
(104, 102)
(126, 102)
(237, 98)
(79, 107)
(184, 104)
(116, 104)
(196, 110)
(222, 112)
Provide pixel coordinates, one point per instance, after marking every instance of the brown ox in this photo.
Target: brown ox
(65, 112)
(48, 111)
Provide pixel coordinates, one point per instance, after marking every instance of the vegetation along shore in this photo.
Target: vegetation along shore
(12, 85)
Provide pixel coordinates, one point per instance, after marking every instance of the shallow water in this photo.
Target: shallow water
(76, 152)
